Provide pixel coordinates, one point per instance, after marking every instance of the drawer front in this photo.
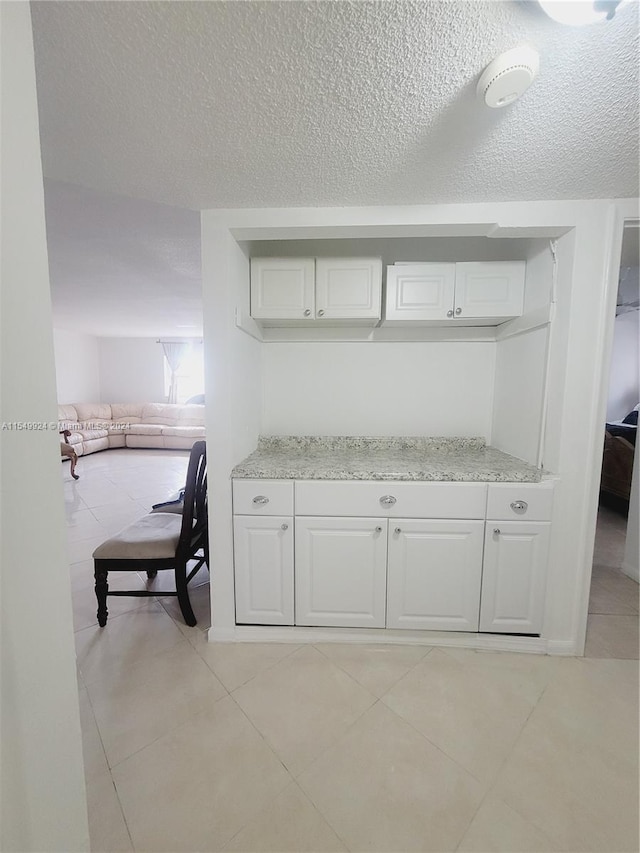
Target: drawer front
(390, 499)
(512, 501)
(263, 497)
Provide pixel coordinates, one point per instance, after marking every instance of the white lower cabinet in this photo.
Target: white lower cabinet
(341, 572)
(263, 548)
(434, 575)
(514, 576)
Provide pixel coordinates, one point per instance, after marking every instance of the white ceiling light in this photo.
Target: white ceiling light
(577, 13)
(508, 77)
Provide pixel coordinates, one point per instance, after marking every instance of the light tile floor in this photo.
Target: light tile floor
(191, 746)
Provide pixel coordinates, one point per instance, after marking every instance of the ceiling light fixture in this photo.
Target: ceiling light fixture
(508, 77)
(577, 13)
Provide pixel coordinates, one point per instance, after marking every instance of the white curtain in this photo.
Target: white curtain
(174, 353)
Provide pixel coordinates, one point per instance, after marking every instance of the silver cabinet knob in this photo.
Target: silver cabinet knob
(284, 527)
(458, 310)
(450, 312)
(378, 530)
(397, 530)
(387, 500)
(519, 506)
(307, 312)
(496, 531)
(321, 313)
(261, 500)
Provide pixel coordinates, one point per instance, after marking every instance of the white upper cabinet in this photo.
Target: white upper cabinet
(420, 292)
(289, 291)
(465, 294)
(348, 288)
(283, 288)
(489, 290)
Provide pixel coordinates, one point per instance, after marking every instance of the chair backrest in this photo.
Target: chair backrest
(194, 514)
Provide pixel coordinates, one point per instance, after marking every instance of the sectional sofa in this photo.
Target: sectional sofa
(100, 426)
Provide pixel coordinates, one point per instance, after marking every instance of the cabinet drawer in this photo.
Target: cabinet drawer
(511, 501)
(263, 497)
(390, 499)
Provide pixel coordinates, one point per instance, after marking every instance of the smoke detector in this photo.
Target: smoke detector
(508, 77)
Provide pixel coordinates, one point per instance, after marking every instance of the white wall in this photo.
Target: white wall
(77, 366)
(42, 793)
(382, 389)
(624, 378)
(519, 386)
(234, 397)
(131, 370)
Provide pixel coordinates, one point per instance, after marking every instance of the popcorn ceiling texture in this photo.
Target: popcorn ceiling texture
(254, 104)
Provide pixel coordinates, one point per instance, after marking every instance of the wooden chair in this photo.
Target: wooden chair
(161, 540)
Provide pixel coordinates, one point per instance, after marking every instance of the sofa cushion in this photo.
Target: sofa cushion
(145, 429)
(129, 412)
(93, 412)
(184, 431)
(191, 415)
(161, 413)
(67, 414)
(74, 438)
(91, 434)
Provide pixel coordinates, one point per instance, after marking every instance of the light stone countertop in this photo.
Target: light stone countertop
(354, 458)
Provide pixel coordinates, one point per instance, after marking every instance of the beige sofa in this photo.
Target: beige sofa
(100, 426)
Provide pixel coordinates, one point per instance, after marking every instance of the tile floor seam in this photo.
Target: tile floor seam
(429, 649)
(435, 745)
(266, 669)
(169, 731)
(124, 817)
(262, 737)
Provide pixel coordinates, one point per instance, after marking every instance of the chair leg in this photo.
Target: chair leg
(183, 595)
(151, 574)
(102, 588)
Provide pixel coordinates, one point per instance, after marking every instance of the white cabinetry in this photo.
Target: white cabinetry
(304, 290)
(483, 293)
(514, 576)
(435, 569)
(264, 569)
(263, 551)
(516, 553)
(354, 554)
(340, 572)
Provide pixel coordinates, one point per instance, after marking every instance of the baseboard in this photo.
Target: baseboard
(632, 572)
(382, 636)
(565, 648)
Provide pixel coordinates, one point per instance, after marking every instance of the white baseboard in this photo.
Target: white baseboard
(565, 648)
(284, 634)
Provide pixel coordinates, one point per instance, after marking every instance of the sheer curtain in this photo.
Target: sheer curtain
(174, 353)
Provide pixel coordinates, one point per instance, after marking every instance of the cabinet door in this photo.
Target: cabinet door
(263, 559)
(340, 574)
(420, 292)
(435, 568)
(514, 576)
(348, 288)
(282, 288)
(489, 290)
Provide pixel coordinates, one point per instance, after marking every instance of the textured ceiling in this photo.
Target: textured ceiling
(253, 104)
(122, 267)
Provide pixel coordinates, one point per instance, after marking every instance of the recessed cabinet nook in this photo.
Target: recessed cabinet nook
(394, 479)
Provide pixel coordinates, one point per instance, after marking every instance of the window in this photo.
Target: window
(190, 374)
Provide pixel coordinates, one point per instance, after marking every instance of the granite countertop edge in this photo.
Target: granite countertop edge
(402, 459)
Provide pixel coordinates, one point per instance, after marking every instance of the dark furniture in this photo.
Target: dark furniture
(161, 540)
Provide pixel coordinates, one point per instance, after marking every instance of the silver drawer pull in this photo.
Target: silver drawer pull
(397, 530)
(387, 500)
(378, 530)
(519, 506)
(261, 500)
(284, 527)
(496, 531)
